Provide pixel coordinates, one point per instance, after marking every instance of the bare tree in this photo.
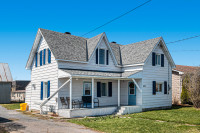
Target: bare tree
(193, 86)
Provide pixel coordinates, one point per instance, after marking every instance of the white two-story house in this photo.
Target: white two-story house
(108, 77)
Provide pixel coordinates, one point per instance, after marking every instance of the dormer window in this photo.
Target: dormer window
(102, 56)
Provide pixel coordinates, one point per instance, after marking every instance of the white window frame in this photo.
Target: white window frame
(106, 85)
(159, 83)
(158, 60)
(87, 82)
(45, 90)
(104, 56)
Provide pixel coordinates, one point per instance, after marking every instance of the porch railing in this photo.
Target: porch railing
(50, 97)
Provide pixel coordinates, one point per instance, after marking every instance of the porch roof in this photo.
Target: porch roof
(92, 73)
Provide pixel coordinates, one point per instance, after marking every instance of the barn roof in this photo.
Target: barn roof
(5, 74)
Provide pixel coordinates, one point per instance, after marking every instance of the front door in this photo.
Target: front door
(131, 93)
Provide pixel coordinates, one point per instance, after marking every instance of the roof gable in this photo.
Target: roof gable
(105, 39)
(137, 53)
(92, 44)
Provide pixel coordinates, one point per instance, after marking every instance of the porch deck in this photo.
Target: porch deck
(99, 111)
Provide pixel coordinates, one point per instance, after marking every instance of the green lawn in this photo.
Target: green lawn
(184, 119)
(11, 106)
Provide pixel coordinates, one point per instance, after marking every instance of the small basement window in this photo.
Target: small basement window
(159, 87)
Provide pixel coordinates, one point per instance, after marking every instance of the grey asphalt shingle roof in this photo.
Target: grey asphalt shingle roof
(137, 52)
(98, 73)
(92, 43)
(70, 47)
(64, 46)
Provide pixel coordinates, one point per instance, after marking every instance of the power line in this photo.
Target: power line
(185, 51)
(118, 17)
(183, 39)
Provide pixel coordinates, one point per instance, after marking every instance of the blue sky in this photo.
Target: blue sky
(171, 19)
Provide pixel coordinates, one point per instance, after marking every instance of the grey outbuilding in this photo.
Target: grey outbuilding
(5, 83)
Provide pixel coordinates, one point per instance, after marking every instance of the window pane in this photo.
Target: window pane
(158, 59)
(45, 90)
(132, 88)
(87, 88)
(101, 56)
(160, 88)
(157, 87)
(104, 89)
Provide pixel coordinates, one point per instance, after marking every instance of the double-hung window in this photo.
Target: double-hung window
(159, 87)
(101, 56)
(104, 89)
(87, 87)
(45, 90)
(158, 59)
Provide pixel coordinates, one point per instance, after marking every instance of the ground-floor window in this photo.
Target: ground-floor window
(104, 90)
(159, 87)
(87, 86)
(45, 90)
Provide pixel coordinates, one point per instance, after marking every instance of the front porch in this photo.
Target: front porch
(115, 92)
(99, 111)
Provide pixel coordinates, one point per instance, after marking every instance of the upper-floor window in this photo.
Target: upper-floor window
(101, 56)
(158, 59)
(43, 57)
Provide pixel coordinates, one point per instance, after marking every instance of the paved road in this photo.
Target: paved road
(17, 122)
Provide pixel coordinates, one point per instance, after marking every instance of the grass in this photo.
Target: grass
(11, 106)
(175, 120)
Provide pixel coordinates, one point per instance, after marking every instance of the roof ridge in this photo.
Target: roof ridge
(62, 33)
(142, 41)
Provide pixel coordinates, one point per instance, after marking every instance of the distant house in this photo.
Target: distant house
(177, 75)
(18, 90)
(106, 76)
(5, 83)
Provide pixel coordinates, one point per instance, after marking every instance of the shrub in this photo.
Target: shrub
(184, 93)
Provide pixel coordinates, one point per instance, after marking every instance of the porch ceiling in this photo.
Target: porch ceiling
(103, 74)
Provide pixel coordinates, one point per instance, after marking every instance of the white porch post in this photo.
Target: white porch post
(70, 93)
(118, 92)
(92, 92)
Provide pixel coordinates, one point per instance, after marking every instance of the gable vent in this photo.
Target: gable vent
(68, 33)
(113, 42)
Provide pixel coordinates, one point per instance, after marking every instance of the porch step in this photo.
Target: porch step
(128, 110)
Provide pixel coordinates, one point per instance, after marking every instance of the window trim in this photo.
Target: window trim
(106, 89)
(84, 88)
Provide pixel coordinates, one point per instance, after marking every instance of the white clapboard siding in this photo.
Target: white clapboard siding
(45, 73)
(92, 63)
(158, 74)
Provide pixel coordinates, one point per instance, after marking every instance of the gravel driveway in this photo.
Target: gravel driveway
(17, 122)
